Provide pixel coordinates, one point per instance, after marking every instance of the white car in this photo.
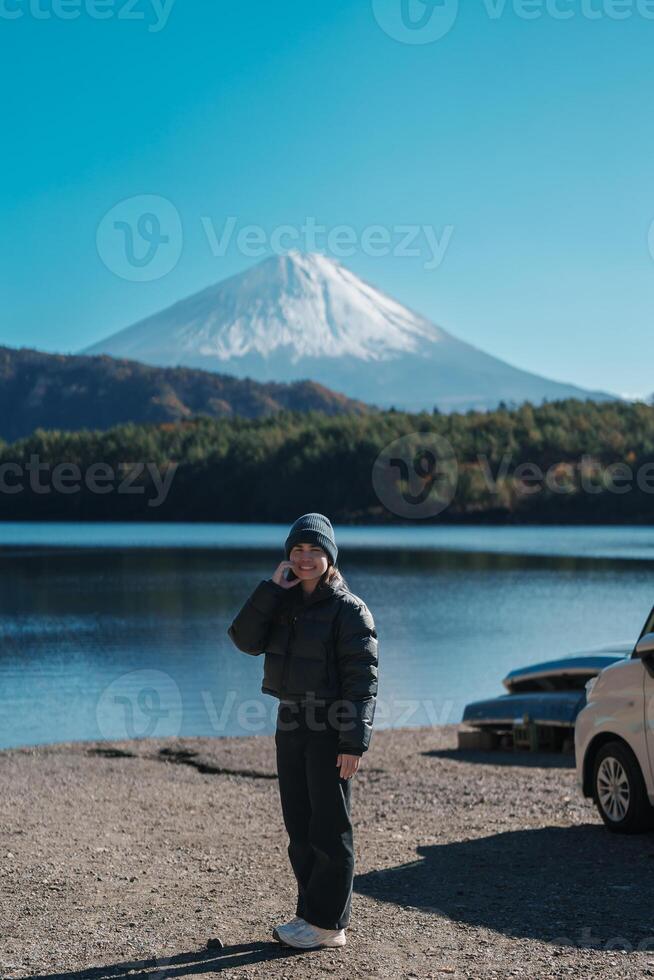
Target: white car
(614, 739)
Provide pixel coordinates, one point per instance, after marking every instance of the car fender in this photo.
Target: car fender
(615, 709)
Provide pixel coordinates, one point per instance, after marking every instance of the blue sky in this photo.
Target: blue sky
(524, 144)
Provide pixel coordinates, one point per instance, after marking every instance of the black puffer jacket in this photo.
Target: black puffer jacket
(321, 648)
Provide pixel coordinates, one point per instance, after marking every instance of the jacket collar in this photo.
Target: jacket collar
(325, 590)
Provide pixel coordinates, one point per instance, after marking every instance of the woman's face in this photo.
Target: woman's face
(309, 560)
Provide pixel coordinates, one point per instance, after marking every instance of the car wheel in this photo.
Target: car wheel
(619, 790)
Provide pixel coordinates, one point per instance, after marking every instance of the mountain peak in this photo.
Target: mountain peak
(304, 315)
(306, 304)
(293, 267)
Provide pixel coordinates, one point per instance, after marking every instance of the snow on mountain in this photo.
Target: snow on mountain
(303, 316)
(309, 303)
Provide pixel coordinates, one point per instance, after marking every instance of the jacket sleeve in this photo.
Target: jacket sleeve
(250, 628)
(356, 657)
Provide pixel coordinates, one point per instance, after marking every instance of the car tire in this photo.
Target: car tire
(619, 790)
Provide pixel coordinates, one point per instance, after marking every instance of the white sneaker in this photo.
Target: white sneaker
(281, 931)
(307, 936)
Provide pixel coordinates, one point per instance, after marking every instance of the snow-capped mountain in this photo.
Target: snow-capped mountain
(303, 316)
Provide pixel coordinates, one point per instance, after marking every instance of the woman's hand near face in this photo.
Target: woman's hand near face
(279, 577)
(348, 763)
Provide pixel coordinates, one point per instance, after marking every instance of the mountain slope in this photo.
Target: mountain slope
(70, 392)
(306, 316)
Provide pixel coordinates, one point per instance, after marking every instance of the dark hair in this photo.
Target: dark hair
(334, 576)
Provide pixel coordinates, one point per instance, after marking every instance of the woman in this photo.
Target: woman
(320, 647)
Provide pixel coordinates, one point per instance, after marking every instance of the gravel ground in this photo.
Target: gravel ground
(133, 859)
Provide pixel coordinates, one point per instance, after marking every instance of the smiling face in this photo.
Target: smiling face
(309, 561)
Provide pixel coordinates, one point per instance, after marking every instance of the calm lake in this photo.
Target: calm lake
(119, 630)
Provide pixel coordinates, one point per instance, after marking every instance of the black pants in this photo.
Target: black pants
(316, 809)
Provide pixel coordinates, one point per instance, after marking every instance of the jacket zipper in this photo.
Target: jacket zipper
(287, 657)
(287, 652)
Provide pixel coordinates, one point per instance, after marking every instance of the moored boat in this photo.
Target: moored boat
(543, 699)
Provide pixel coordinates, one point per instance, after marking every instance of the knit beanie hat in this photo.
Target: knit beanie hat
(315, 529)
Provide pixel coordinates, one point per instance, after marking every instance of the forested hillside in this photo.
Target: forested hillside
(596, 463)
(60, 391)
